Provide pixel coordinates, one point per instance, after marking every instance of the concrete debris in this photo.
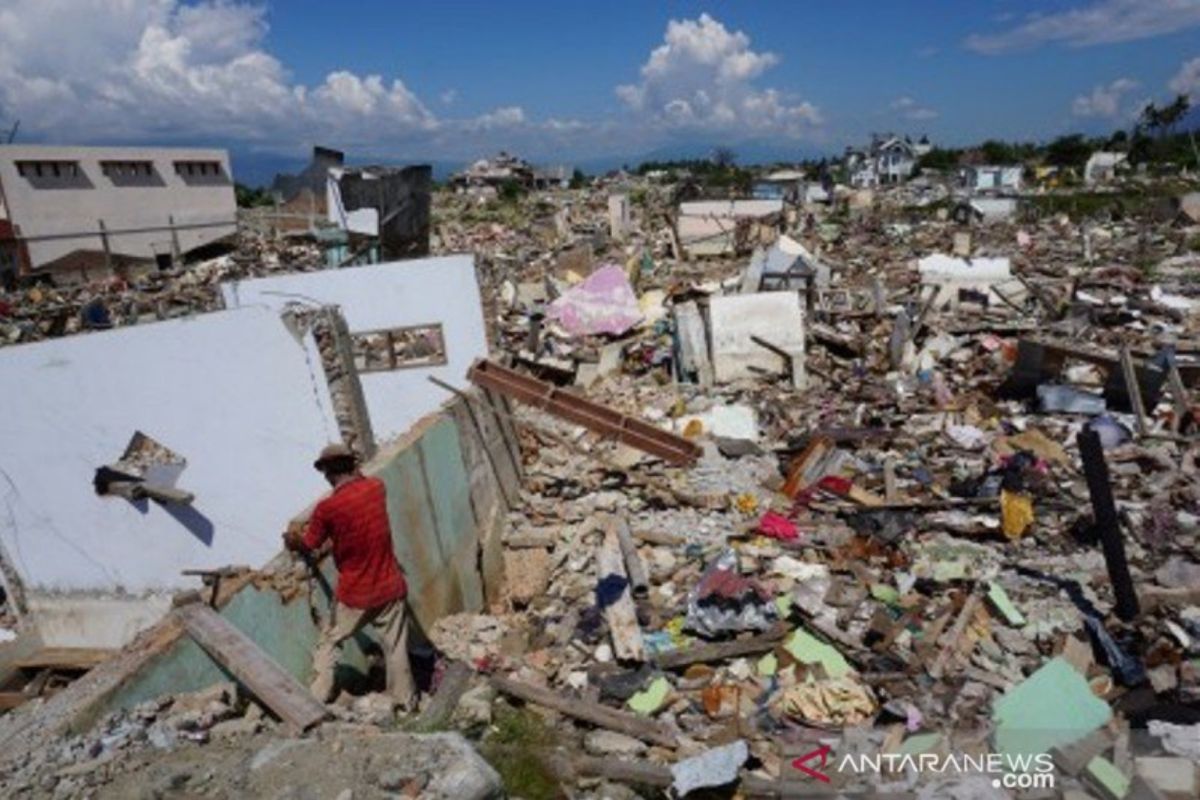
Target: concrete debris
(882, 501)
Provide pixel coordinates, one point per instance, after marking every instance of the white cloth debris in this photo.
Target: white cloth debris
(716, 767)
(1180, 740)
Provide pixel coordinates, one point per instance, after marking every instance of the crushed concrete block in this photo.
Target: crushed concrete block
(475, 705)
(610, 743)
(234, 727)
(528, 574)
(1173, 776)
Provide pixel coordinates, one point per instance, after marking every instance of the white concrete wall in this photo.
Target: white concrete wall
(56, 211)
(776, 317)
(231, 392)
(390, 295)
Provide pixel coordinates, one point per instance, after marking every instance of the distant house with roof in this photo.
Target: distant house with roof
(1102, 166)
(889, 159)
(494, 172)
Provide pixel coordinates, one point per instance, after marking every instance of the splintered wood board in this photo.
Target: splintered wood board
(256, 670)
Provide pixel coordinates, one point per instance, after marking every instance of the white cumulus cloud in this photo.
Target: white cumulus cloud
(504, 117)
(1104, 100)
(702, 77)
(1187, 80)
(910, 109)
(166, 69)
(1102, 22)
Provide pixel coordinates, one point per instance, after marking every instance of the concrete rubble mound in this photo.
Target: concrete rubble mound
(899, 504)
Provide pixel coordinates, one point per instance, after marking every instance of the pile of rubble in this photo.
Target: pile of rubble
(43, 311)
(221, 743)
(930, 524)
(973, 531)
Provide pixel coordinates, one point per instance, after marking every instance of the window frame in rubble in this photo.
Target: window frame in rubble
(361, 349)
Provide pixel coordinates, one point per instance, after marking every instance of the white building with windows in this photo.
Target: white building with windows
(76, 211)
(999, 179)
(889, 159)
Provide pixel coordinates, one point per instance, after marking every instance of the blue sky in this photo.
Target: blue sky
(572, 80)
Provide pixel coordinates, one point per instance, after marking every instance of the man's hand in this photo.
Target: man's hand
(293, 537)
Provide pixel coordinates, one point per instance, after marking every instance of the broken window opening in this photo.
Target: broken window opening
(131, 173)
(409, 347)
(147, 469)
(53, 174)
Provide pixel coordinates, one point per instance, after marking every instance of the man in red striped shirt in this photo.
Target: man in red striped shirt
(371, 589)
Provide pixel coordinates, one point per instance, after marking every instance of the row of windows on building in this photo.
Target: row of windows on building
(116, 170)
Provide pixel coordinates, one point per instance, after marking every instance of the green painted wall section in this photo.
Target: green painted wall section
(458, 536)
(286, 632)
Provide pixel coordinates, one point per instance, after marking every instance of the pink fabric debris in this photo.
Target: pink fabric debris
(603, 303)
(777, 526)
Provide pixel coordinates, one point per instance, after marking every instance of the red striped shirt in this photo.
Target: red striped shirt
(355, 518)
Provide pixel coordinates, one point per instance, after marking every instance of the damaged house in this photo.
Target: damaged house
(387, 207)
(119, 503)
(79, 213)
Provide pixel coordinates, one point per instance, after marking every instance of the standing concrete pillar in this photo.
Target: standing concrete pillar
(332, 336)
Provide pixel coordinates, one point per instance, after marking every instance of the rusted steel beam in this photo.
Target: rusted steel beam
(593, 416)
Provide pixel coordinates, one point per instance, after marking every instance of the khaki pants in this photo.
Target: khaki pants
(392, 621)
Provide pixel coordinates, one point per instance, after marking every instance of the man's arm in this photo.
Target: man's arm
(317, 530)
(307, 536)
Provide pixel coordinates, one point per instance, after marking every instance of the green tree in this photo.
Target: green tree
(1068, 151)
(578, 179)
(939, 159)
(1170, 115)
(251, 197)
(724, 157)
(995, 152)
(1151, 119)
(511, 191)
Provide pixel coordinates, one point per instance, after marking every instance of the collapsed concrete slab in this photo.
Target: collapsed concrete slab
(956, 279)
(230, 391)
(719, 227)
(774, 317)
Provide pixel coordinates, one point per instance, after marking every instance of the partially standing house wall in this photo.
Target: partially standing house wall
(231, 393)
(397, 295)
(449, 483)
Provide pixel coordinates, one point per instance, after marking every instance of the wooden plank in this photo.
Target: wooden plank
(720, 651)
(440, 709)
(10, 700)
(236, 652)
(890, 493)
(647, 730)
(1179, 397)
(74, 658)
(621, 614)
(949, 650)
(1134, 390)
(639, 584)
(1107, 523)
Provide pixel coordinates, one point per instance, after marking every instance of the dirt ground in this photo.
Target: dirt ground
(339, 763)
